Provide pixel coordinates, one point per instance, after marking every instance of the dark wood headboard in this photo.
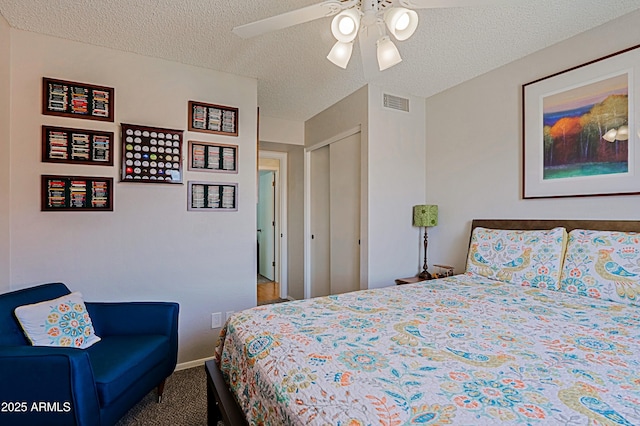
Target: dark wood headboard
(524, 224)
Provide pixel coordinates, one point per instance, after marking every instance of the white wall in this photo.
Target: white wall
(280, 130)
(149, 247)
(474, 146)
(396, 176)
(5, 89)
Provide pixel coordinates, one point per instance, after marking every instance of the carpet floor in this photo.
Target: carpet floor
(184, 402)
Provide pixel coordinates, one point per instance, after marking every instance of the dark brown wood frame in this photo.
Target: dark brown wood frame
(221, 145)
(568, 224)
(523, 100)
(211, 209)
(45, 145)
(44, 194)
(123, 159)
(221, 107)
(91, 87)
(221, 403)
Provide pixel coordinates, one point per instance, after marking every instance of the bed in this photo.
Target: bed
(536, 339)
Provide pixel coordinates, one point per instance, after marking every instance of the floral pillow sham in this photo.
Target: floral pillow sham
(603, 265)
(528, 258)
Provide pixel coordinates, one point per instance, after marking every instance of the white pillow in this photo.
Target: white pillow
(62, 322)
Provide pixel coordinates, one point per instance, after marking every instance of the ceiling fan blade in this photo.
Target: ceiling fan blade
(289, 19)
(433, 4)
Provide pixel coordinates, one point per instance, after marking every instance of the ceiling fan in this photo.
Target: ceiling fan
(370, 19)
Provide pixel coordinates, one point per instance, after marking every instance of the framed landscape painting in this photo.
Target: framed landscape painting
(579, 130)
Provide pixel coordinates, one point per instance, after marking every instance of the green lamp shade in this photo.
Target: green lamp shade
(425, 215)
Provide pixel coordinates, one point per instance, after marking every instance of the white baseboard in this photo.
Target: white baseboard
(191, 364)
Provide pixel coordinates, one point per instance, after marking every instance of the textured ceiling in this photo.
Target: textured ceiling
(295, 80)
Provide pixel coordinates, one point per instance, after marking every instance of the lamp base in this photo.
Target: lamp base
(425, 275)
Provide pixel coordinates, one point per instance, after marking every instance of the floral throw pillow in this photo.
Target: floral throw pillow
(528, 258)
(604, 265)
(58, 322)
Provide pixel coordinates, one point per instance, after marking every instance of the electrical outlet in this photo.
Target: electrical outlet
(216, 320)
(229, 313)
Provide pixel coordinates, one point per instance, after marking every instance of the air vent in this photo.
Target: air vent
(396, 102)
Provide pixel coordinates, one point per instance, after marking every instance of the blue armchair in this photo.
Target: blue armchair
(92, 386)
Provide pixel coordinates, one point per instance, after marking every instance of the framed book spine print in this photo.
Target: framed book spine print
(76, 146)
(212, 118)
(76, 193)
(213, 157)
(211, 196)
(77, 100)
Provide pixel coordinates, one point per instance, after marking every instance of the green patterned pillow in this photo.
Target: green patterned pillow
(58, 322)
(604, 265)
(528, 258)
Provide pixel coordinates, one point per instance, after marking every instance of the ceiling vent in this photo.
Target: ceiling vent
(395, 102)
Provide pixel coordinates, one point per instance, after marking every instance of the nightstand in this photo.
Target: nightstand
(409, 280)
(442, 271)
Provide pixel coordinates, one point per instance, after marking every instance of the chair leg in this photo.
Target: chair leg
(160, 390)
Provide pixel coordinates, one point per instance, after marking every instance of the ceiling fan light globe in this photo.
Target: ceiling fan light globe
(387, 53)
(401, 22)
(345, 25)
(340, 54)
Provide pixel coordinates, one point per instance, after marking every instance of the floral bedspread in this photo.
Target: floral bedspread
(463, 350)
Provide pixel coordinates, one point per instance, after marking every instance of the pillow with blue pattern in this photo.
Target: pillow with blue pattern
(604, 265)
(527, 258)
(62, 322)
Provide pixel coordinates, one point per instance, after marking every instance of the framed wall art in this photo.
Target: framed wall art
(212, 118)
(76, 146)
(76, 193)
(211, 196)
(213, 157)
(580, 134)
(77, 100)
(151, 154)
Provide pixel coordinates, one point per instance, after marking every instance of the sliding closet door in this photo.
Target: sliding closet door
(320, 239)
(335, 217)
(344, 207)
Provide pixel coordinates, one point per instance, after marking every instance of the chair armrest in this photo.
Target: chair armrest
(127, 318)
(53, 386)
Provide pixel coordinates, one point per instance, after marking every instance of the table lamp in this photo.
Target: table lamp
(425, 215)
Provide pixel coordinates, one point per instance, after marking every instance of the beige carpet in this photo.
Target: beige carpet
(184, 402)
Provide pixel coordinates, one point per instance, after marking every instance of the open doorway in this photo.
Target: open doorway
(267, 226)
(271, 227)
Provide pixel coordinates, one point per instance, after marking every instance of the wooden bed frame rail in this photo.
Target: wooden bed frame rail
(221, 404)
(568, 224)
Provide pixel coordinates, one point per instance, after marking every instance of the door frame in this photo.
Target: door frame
(281, 241)
(307, 202)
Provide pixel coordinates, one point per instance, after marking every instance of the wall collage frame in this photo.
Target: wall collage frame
(147, 154)
(212, 157)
